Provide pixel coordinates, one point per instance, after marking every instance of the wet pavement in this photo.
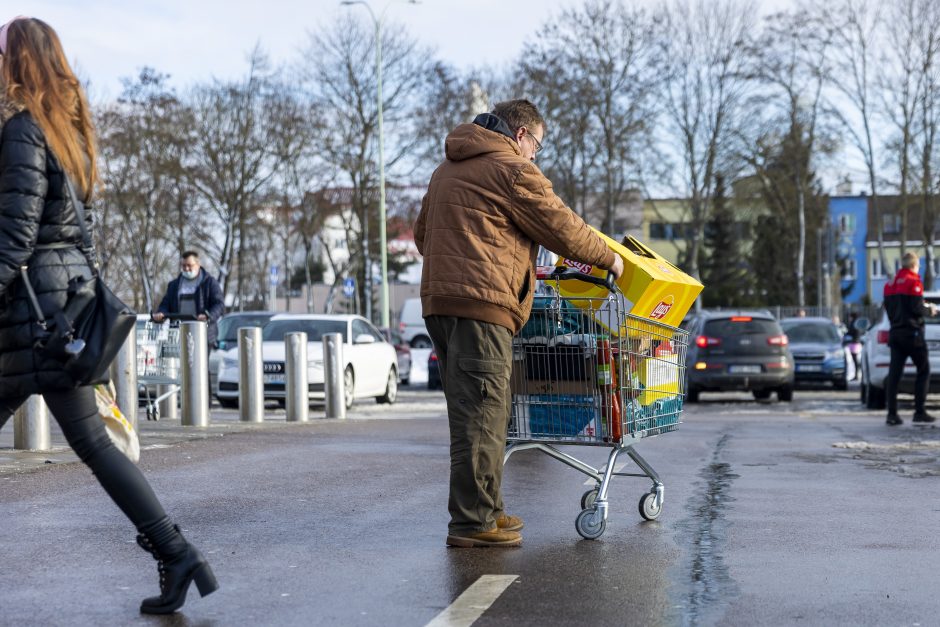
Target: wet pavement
(806, 513)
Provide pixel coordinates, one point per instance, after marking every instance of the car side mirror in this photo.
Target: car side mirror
(364, 338)
(861, 324)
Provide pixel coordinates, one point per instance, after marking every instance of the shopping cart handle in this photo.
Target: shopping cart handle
(564, 273)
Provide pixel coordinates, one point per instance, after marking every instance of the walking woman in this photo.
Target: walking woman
(47, 137)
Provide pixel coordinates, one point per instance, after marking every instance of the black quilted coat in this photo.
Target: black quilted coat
(38, 229)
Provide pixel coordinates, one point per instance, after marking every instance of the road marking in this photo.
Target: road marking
(475, 600)
(617, 468)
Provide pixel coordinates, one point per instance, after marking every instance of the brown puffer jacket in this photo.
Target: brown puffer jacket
(486, 212)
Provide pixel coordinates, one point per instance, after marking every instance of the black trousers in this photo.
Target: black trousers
(77, 414)
(904, 346)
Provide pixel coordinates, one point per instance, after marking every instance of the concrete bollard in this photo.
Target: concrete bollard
(296, 390)
(31, 425)
(194, 374)
(124, 376)
(250, 379)
(333, 371)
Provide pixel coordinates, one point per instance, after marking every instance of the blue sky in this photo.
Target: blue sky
(194, 40)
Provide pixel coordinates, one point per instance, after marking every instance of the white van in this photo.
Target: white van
(411, 324)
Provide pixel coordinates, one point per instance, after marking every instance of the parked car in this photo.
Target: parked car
(402, 350)
(818, 352)
(411, 324)
(434, 372)
(229, 324)
(876, 358)
(370, 369)
(742, 350)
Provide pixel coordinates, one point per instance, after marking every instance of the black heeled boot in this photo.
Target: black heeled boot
(179, 564)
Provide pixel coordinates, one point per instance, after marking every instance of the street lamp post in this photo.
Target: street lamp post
(383, 244)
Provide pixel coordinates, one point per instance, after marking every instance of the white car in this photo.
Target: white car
(371, 364)
(876, 358)
(411, 324)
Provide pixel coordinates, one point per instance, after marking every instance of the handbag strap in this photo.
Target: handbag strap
(80, 215)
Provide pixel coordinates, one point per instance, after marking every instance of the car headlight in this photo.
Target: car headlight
(835, 354)
(228, 362)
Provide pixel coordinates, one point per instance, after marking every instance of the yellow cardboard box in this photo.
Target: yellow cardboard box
(650, 287)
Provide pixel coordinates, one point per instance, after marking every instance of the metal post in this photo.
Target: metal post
(250, 380)
(169, 393)
(194, 379)
(335, 386)
(295, 371)
(31, 425)
(124, 375)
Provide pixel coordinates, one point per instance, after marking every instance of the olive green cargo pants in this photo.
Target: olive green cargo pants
(475, 359)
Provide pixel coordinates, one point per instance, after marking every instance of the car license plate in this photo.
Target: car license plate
(808, 368)
(274, 378)
(746, 369)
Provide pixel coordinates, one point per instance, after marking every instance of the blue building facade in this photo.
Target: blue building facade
(849, 215)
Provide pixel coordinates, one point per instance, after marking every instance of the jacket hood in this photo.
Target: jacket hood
(472, 140)
(7, 110)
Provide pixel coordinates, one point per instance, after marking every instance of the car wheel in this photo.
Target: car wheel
(761, 395)
(785, 394)
(349, 387)
(863, 392)
(229, 403)
(391, 389)
(875, 398)
(421, 341)
(406, 380)
(841, 384)
(692, 395)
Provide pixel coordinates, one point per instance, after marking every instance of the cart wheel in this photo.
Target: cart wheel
(590, 524)
(588, 498)
(153, 413)
(648, 507)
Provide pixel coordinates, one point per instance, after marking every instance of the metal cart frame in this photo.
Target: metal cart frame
(585, 376)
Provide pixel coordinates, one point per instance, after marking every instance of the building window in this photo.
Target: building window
(876, 270)
(846, 223)
(848, 270)
(891, 223)
(657, 230)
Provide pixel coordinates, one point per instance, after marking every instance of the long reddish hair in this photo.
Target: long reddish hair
(36, 75)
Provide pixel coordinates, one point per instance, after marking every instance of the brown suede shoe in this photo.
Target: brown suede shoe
(493, 537)
(509, 523)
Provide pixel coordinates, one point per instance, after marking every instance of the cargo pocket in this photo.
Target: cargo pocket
(483, 379)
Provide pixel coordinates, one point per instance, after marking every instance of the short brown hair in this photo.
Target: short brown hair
(909, 260)
(189, 253)
(519, 113)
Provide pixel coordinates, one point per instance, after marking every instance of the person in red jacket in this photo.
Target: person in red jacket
(904, 302)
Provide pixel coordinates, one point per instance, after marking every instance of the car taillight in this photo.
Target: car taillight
(882, 337)
(433, 357)
(778, 340)
(703, 341)
(401, 327)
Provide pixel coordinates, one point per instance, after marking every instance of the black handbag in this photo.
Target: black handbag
(88, 333)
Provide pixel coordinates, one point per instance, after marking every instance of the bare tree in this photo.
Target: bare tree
(855, 43)
(707, 86)
(597, 68)
(790, 67)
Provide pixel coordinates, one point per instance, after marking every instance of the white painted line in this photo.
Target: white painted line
(475, 600)
(617, 468)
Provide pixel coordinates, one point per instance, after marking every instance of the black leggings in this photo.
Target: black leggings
(76, 411)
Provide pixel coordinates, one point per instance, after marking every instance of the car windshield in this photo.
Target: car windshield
(275, 330)
(741, 325)
(229, 326)
(808, 332)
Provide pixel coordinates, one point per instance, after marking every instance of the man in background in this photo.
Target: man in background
(904, 302)
(195, 294)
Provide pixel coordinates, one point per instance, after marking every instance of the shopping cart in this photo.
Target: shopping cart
(158, 362)
(586, 372)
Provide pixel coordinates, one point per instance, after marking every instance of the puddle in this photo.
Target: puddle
(704, 575)
(913, 459)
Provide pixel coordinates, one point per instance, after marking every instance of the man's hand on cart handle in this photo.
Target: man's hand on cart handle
(157, 316)
(617, 269)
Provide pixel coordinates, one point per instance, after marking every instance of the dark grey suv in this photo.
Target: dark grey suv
(738, 350)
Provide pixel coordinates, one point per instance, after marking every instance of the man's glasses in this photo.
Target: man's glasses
(538, 144)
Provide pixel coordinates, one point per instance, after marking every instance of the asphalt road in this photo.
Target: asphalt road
(811, 512)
